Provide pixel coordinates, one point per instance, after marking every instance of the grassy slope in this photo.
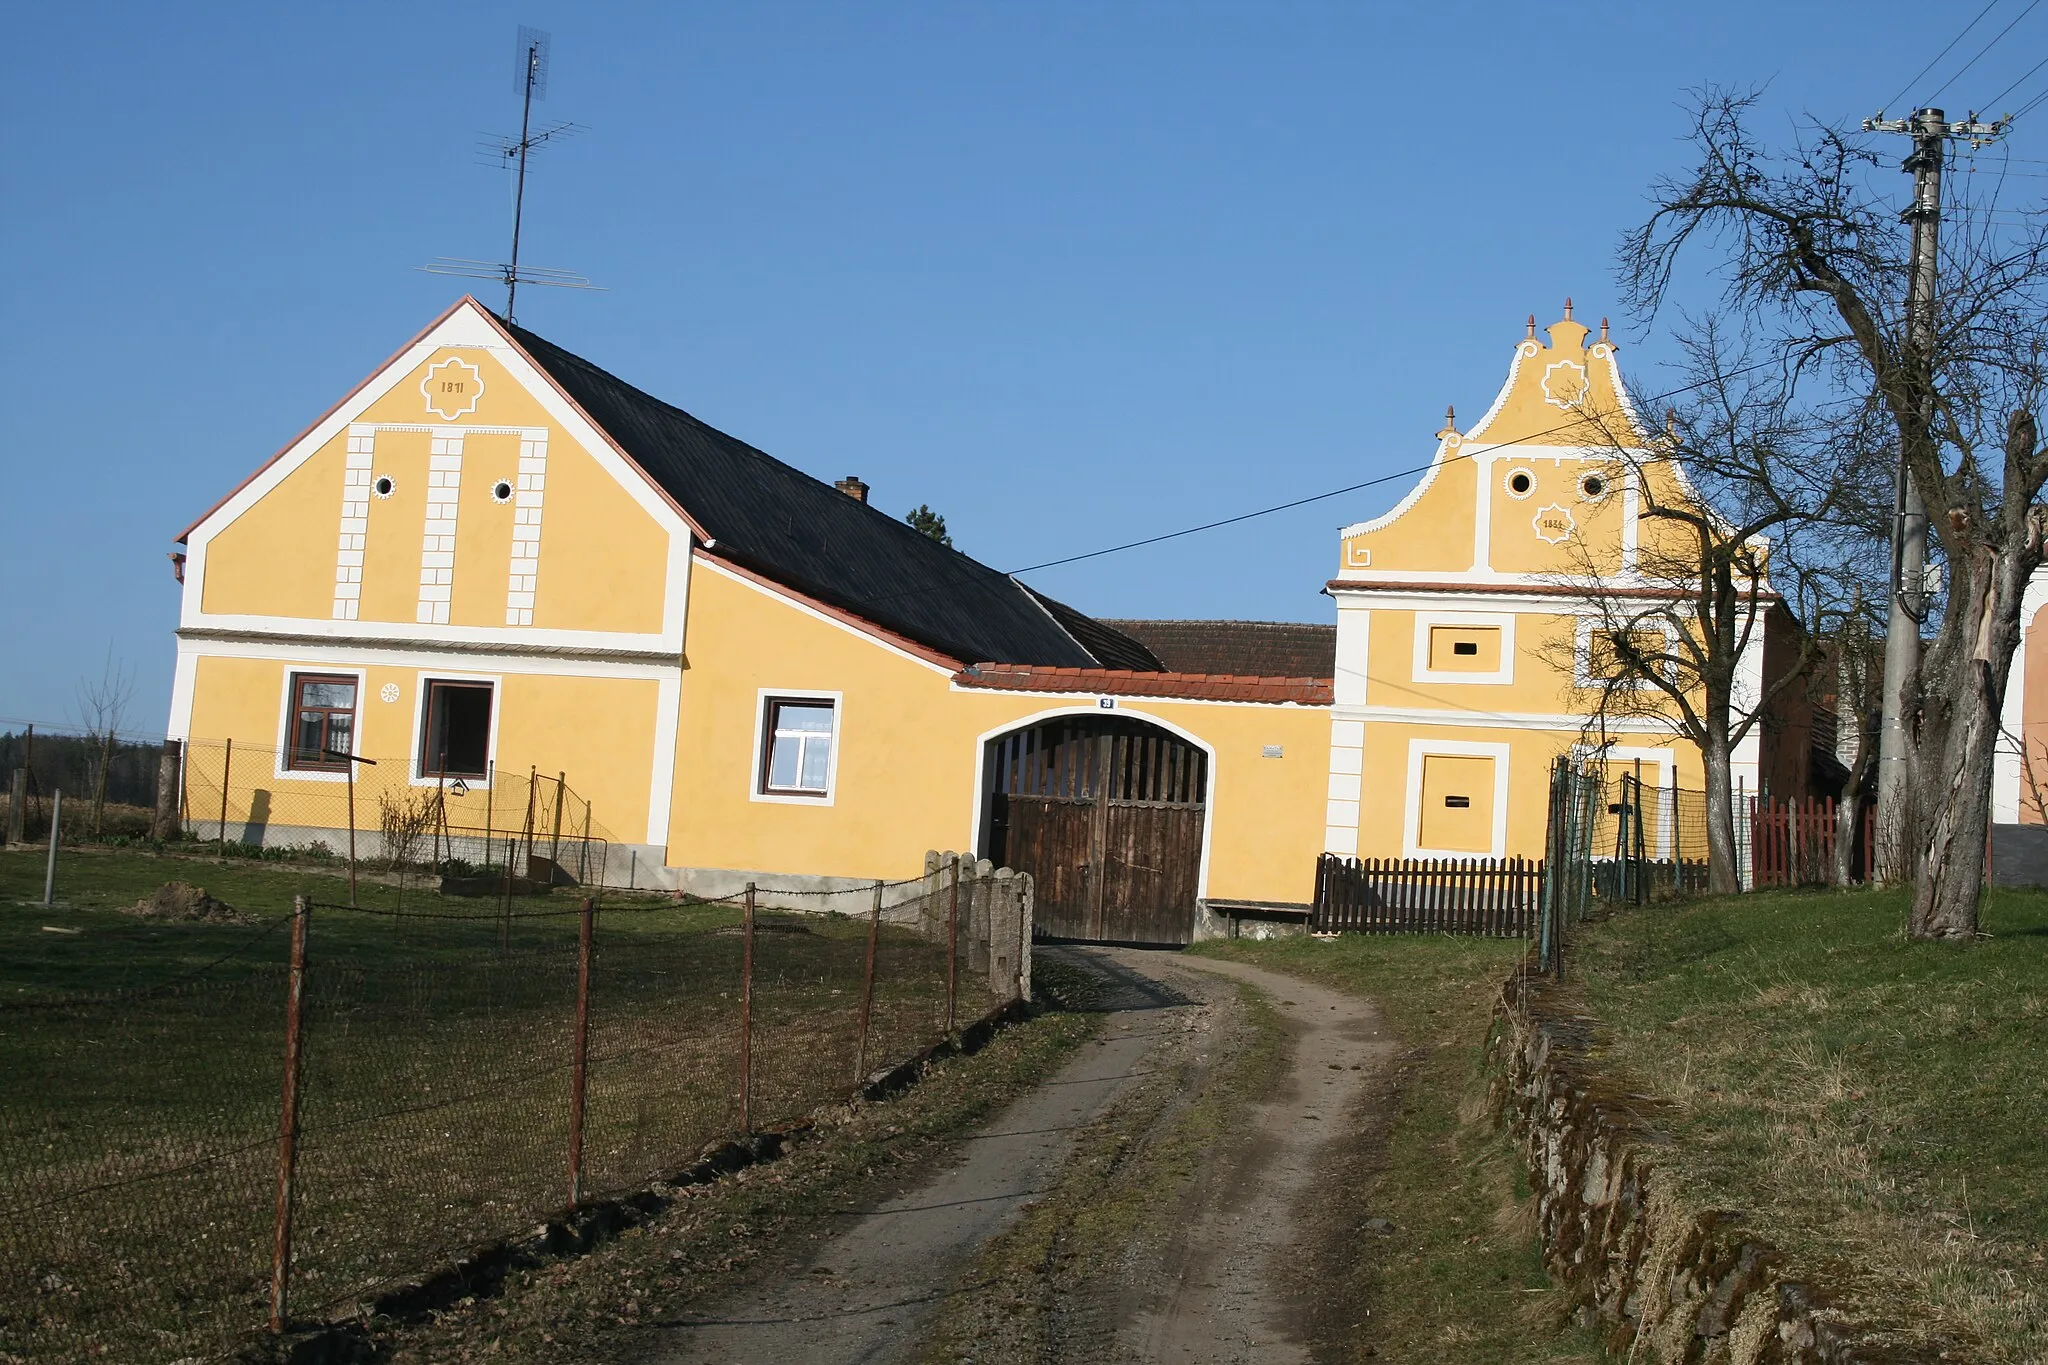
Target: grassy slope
(1460, 1277)
(1875, 1105)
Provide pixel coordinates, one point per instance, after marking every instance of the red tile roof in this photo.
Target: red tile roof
(1262, 649)
(1122, 682)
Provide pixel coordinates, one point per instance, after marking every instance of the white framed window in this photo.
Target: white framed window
(1593, 631)
(455, 728)
(319, 716)
(796, 746)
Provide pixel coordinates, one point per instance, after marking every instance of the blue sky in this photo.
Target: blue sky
(1070, 273)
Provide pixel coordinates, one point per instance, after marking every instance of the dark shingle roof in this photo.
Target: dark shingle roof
(1259, 649)
(802, 532)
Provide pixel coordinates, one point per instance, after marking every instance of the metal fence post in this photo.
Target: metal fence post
(288, 1120)
(953, 945)
(867, 989)
(579, 1069)
(351, 829)
(227, 763)
(747, 1015)
(50, 868)
(561, 794)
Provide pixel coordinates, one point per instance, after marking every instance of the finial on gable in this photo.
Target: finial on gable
(1450, 427)
(1603, 329)
(1532, 327)
(1567, 309)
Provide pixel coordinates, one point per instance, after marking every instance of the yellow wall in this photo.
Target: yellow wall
(603, 558)
(599, 731)
(908, 745)
(1383, 810)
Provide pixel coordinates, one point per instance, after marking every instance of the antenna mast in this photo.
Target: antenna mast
(532, 84)
(533, 80)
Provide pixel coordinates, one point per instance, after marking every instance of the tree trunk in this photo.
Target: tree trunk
(1724, 876)
(1952, 787)
(1849, 817)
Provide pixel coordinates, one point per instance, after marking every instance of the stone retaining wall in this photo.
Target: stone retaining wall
(1671, 1283)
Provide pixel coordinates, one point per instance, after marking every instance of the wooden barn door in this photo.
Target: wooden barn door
(1106, 815)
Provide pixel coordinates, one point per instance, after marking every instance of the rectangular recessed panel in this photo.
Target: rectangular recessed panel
(1457, 804)
(1464, 649)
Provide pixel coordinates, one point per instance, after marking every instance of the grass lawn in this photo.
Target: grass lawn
(1877, 1107)
(1459, 1278)
(140, 1067)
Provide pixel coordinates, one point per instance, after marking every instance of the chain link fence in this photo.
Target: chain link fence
(346, 1101)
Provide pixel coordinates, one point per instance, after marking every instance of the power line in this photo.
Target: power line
(2031, 7)
(1384, 478)
(1922, 72)
(1992, 103)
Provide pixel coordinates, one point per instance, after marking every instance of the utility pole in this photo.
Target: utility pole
(1930, 130)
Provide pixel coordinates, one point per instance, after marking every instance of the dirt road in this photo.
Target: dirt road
(1217, 1278)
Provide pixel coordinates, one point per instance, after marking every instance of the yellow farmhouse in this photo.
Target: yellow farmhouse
(494, 558)
(1470, 620)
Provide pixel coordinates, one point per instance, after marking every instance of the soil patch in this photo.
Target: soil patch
(184, 902)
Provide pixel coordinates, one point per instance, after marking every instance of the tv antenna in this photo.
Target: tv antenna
(531, 80)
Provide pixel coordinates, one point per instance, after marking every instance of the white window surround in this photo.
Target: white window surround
(1507, 483)
(762, 697)
(1504, 622)
(419, 726)
(1582, 651)
(1411, 819)
(292, 672)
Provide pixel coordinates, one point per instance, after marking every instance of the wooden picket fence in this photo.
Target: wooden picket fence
(1792, 843)
(1488, 897)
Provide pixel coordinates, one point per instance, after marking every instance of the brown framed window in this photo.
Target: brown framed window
(456, 739)
(796, 757)
(323, 723)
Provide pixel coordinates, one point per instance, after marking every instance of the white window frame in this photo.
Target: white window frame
(1582, 653)
(1411, 824)
(757, 773)
(293, 671)
(1425, 621)
(420, 689)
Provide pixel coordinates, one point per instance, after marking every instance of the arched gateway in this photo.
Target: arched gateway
(1108, 815)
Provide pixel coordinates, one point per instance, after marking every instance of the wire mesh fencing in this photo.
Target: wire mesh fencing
(518, 825)
(1614, 840)
(351, 1100)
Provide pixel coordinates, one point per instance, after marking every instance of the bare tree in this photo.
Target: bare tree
(102, 706)
(1857, 666)
(1810, 252)
(1728, 497)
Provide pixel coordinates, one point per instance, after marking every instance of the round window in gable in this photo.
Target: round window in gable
(1593, 487)
(501, 491)
(382, 486)
(1521, 483)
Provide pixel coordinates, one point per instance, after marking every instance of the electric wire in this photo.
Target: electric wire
(1368, 483)
(1992, 103)
(1921, 74)
(2031, 7)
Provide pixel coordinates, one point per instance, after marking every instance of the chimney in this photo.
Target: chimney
(853, 488)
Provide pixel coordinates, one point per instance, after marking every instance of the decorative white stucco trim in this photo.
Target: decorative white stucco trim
(523, 575)
(1502, 621)
(2008, 767)
(357, 472)
(437, 541)
(1411, 820)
